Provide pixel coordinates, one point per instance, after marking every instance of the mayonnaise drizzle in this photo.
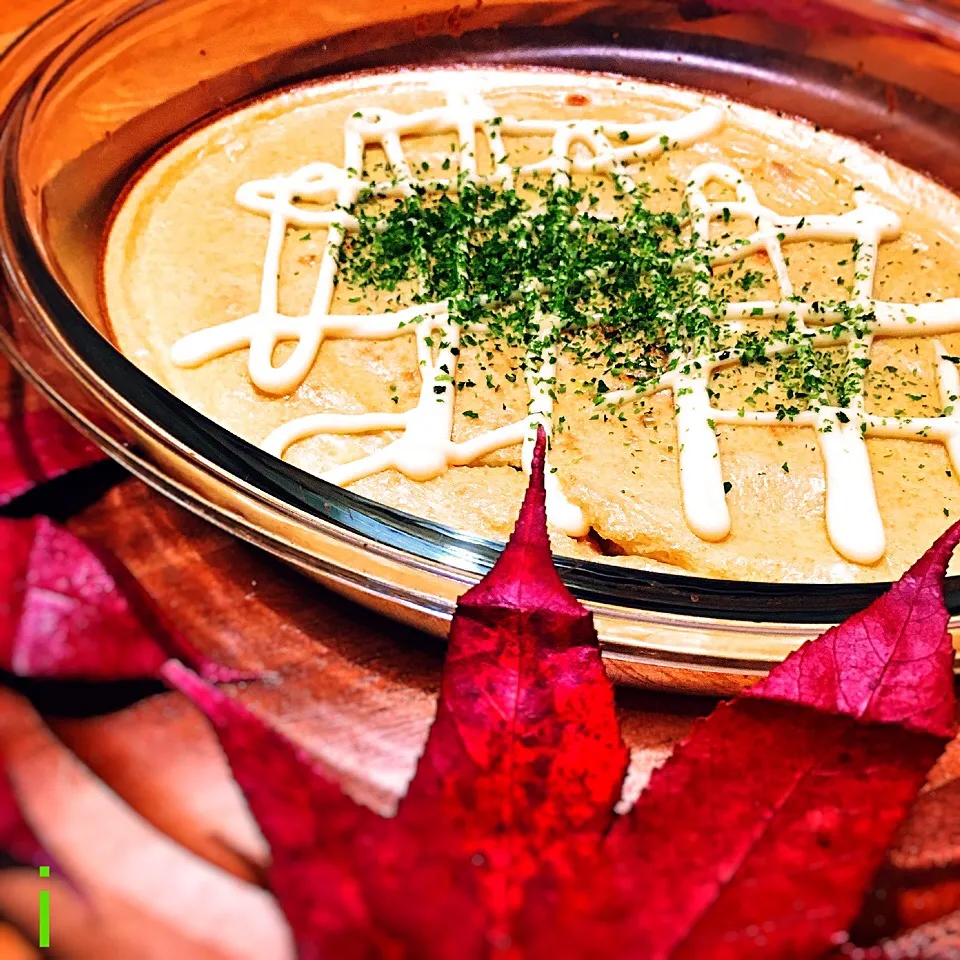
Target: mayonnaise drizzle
(853, 517)
(425, 448)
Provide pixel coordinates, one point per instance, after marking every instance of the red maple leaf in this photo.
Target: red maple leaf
(757, 839)
(39, 446)
(70, 610)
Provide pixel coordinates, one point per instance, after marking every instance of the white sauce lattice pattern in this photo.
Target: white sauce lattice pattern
(425, 448)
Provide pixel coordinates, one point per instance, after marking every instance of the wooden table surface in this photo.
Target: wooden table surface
(138, 805)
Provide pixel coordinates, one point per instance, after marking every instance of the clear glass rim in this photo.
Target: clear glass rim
(71, 334)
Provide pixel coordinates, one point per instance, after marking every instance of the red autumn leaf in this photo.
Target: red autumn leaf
(38, 446)
(757, 839)
(310, 824)
(68, 610)
(760, 835)
(875, 665)
(523, 764)
(17, 839)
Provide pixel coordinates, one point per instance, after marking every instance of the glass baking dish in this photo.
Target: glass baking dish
(97, 87)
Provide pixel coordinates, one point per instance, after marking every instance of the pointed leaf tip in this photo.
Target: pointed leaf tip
(937, 558)
(531, 525)
(524, 574)
(874, 664)
(539, 459)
